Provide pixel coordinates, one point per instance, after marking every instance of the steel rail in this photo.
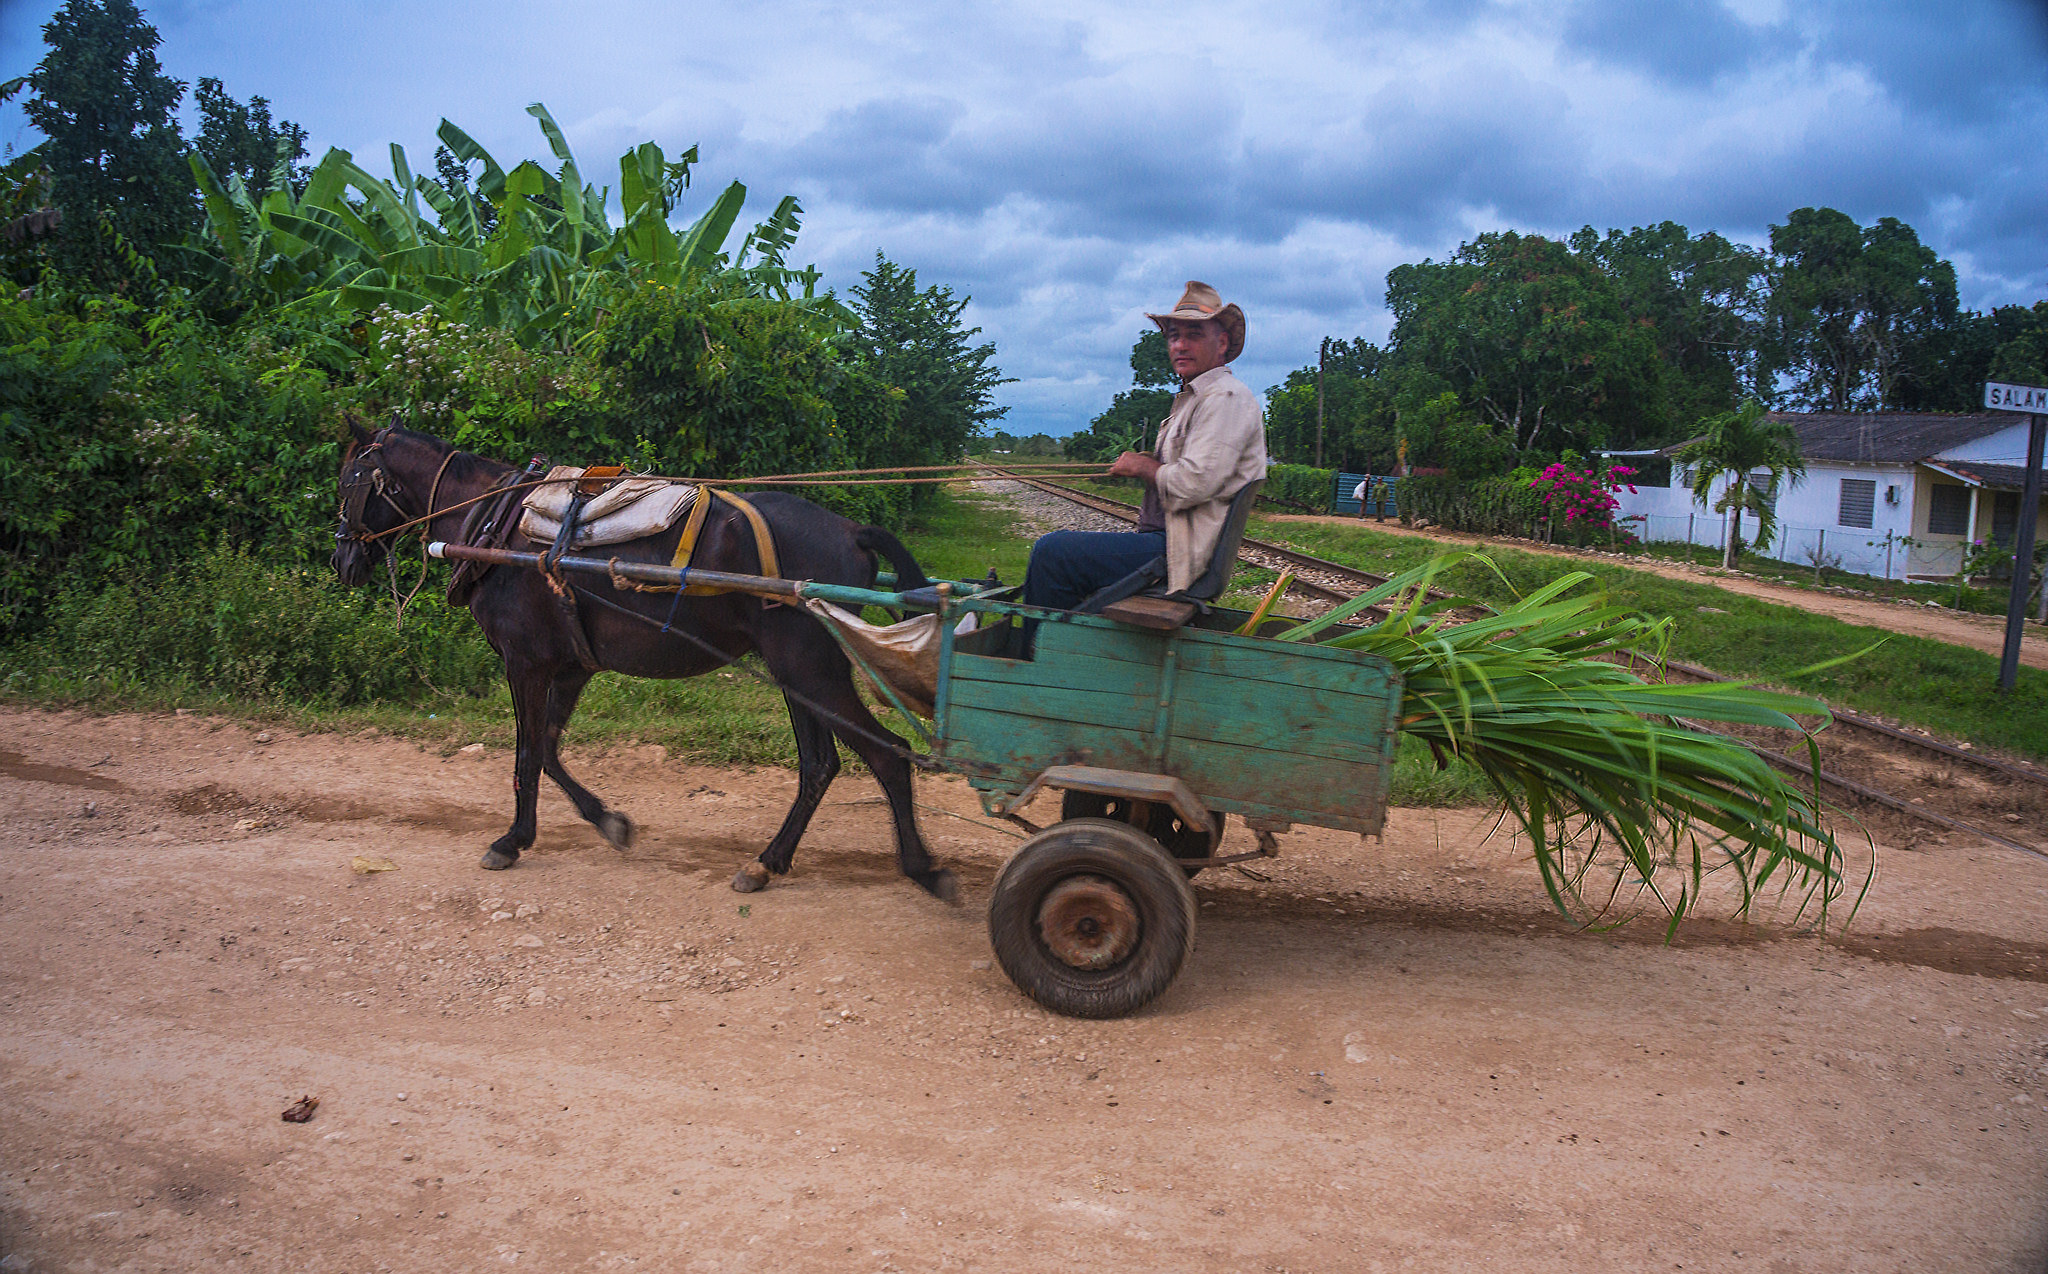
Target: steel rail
(1856, 721)
(1868, 793)
(1129, 513)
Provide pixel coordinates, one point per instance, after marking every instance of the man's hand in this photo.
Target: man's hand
(1132, 464)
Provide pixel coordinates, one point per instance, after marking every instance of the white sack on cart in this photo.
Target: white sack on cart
(906, 655)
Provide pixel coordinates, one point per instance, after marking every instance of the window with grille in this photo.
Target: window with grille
(1859, 502)
(1948, 510)
(1766, 487)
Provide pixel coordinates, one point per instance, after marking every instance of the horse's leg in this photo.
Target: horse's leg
(562, 695)
(530, 689)
(817, 763)
(828, 683)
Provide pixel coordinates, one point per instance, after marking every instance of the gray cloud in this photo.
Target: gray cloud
(1691, 42)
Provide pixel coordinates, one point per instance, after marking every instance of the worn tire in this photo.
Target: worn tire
(1124, 866)
(1162, 823)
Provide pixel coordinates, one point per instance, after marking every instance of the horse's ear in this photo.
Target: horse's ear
(362, 436)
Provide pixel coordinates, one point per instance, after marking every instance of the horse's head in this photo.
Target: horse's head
(372, 502)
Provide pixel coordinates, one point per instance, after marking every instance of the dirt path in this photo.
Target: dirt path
(1387, 1056)
(1978, 632)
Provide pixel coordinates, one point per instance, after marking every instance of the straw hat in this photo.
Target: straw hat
(1201, 302)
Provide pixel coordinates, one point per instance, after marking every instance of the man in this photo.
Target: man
(1212, 443)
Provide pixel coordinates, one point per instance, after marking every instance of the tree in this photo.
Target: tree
(1358, 411)
(2022, 353)
(1133, 415)
(913, 340)
(1703, 299)
(1738, 445)
(1859, 318)
(241, 141)
(115, 152)
(1532, 337)
(1440, 433)
(1150, 367)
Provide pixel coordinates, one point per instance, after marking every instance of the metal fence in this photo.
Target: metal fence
(1835, 548)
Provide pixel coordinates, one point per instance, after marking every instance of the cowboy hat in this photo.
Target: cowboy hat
(1200, 302)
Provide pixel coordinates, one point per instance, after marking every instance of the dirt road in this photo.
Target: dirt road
(1958, 628)
(1388, 1056)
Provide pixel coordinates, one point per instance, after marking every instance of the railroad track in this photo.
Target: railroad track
(1953, 781)
(1329, 582)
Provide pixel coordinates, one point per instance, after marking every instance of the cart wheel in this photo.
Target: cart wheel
(1162, 823)
(1091, 919)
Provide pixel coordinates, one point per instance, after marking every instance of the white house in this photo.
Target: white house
(1896, 494)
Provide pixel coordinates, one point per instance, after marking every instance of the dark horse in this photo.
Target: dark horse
(395, 475)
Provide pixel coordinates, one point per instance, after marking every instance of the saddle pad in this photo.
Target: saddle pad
(629, 509)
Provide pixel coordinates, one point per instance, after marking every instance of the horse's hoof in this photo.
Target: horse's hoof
(616, 828)
(750, 879)
(941, 885)
(496, 859)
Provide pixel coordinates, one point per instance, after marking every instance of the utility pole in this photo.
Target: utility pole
(2032, 399)
(1322, 363)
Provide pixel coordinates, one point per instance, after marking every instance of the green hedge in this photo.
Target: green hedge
(1489, 506)
(230, 622)
(1301, 487)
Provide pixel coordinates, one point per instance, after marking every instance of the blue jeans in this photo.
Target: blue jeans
(1066, 566)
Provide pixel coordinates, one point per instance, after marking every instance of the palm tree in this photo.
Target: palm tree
(1736, 445)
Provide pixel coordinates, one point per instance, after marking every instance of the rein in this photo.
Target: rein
(388, 488)
(818, 479)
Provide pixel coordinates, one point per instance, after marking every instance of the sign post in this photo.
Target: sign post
(2033, 400)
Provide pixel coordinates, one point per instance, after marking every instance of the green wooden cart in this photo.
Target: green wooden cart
(1153, 721)
(1153, 735)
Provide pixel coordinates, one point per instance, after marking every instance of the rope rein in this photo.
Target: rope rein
(791, 480)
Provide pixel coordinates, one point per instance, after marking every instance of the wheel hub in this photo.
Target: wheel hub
(1088, 922)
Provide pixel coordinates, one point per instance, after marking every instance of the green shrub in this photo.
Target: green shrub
(1299, 486)
(129, 438)
(233, 623)
(1486, 506)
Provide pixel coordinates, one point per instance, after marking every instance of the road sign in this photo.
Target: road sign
(2015, 397)
(2033, 400)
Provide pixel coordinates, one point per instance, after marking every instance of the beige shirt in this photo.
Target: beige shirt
(1212, 443)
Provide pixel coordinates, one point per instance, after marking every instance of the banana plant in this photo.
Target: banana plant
(354, 241)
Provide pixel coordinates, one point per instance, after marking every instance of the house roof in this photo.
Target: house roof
(1897, 437)
(1996, 477)
(1901, 436)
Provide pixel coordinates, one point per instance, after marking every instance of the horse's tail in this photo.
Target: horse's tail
(873, 539)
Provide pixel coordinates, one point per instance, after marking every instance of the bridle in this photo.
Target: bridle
(379, 481)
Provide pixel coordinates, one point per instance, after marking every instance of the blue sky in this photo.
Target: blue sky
(1070, 165)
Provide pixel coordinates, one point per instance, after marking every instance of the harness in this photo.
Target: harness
(355, 500)
(496, 520)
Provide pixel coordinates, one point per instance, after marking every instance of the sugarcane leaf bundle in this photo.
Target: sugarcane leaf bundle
(1598, 766)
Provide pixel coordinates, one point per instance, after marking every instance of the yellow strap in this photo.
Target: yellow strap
(686, 547)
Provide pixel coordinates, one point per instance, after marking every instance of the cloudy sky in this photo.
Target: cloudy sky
(1070, 165)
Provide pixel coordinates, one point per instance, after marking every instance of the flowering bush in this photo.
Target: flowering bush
(1585, 496)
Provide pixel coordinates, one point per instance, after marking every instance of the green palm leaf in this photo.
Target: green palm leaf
(1595, 765)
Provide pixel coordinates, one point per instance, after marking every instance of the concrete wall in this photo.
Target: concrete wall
(1808, 513)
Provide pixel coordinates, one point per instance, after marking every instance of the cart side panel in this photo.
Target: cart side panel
(1294, 730)
(1088, 697)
